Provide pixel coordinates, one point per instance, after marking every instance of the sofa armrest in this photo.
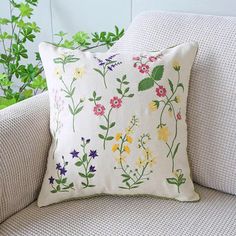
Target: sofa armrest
(24, 144)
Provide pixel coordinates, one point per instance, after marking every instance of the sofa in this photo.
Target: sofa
(211, 116)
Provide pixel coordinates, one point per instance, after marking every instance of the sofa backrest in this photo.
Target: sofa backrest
(211, 114)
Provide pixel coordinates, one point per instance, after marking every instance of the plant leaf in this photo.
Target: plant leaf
(82, 175)
(157, 72)
(175, 151)
(79, 163)
(181, 85)
(109, 138)
(145, 84)
(103, 127)
(172, 181)
(101, 136)
(171, 85)
(112, 124)
(90, 175)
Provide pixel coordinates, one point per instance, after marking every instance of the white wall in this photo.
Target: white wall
(97, 15)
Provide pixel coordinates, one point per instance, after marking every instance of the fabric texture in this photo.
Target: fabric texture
(211, 103)
(214, 215)
(99, 144)
(24, 144)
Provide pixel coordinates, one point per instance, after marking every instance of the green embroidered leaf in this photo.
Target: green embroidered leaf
(145, 84)
(131, 95)
(126, 90)
(53, 191)
(157, 72)
(124, 77)
(58, 181)
(101, 136)
(125, 176)
(176, 149)
(82, 175)
(109, 138)
(94, 94)
(79, 163)
(63, 181)
(58, 188)
(139, 182)
(103, 127)
(72, 91)
(134, 186)
(118, 80)
(71, 185)
(112, 124)
(71, 110)
(90, 175)
(123, 187)
(98, 98)
(78, 110)
(126, 82)
(91, 185)
(119, 91)
(126, 180)
(127, 183)
(91, 99)
(172, 181)
(181, 85)
(171, 85)
(97, 70)
(84, 184)
(85, 157)
(58, 60)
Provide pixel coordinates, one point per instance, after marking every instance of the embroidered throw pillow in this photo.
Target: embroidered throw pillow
(118, 123)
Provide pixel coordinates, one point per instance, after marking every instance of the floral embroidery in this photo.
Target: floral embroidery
(178, 179)
(79, 72)
(168, 101)
(65, 59)
(84, 162)
(106, 65)
(58, 105)
(143, 68)
(60, 183)
(99, 110)
(115, 103)
(133, 178)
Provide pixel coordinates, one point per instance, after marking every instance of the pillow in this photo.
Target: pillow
(118, 123)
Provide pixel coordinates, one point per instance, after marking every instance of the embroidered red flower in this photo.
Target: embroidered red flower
(115, 102)
(136, 58)
(152, 58)
(143, 68)
(161, 91)
(99, 110)
(178, 116)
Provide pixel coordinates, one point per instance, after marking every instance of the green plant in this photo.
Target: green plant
(20, 80)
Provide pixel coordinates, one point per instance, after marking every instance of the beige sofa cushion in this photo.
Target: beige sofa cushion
(213, 215)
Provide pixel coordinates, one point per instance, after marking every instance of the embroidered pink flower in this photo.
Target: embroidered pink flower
(143, 68)
(136, 58)
(99, 110)
(178, 116)
(115, 102)
(161, 91)
(152, 58)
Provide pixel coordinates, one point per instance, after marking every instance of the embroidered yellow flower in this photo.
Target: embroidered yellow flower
(120, 159)
(176, 65)
(58, 72)
(163, 134)
(177, 99)
(129, 139)
(127, 149)
(118, 136)
(147, 153)
(152, 161)
(79, 72)
(153, 106)
(140, 162)
(115, 147)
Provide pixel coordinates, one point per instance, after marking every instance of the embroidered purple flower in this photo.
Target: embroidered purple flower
(51, 180)
(93, 154)
(92, 169)
(88, 141)
(58, 166)
(63, 171)
(74, 153)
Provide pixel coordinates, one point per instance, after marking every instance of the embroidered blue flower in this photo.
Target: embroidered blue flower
(58, 166)
(51, 180)
(92, 169)
(63, 171)
(74, 153)
(93, 154)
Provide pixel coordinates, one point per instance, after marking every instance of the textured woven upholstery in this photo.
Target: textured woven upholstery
(211, 112)
(215, 214)
(24, 143)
